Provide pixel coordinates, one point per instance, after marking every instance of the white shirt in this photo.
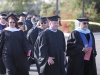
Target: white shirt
(12, 29)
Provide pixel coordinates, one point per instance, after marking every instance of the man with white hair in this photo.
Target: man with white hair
(81, 50)
(49, 50)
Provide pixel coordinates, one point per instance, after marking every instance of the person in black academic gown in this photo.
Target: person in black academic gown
(23, 28)
(22, 18)
(34, 22)
(2, 26)
(34, 32)
(49, 50)
(78, 44)
(14, 48)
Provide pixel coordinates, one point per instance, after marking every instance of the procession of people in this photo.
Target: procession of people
(26, 40)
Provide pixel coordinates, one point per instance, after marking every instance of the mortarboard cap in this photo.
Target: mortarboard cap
(43, 19)
(20, 23)
(83, 19)
(22, 15)
(13, 15)
(2, 14)
(53, 18)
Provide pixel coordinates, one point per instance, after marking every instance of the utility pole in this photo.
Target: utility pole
(57, 7)
(83, 3)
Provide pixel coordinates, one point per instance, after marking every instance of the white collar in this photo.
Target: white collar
(83, 31)
(12, 29)
(52, 29)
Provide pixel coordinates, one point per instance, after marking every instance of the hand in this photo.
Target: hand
(85, 50)
(50, 60)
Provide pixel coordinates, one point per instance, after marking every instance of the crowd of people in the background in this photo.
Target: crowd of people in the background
(27, 39)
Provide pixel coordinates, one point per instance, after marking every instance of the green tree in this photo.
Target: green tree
(72, 9)
(20, 5)
(46, 9)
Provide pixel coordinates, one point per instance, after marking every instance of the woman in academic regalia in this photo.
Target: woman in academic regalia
(81, 43)
(14, 48)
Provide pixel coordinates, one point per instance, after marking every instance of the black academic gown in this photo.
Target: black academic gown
(2, 66)
(76, 64)
(50, 44)
(29, 25)
(25, 33)
(31, 37)
(13, 50)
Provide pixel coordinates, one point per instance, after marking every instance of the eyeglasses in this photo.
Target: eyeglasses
(4, 18)
(11, 22)
(43, 22)
(85, 23)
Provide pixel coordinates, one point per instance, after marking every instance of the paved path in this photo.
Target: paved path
(97, 40)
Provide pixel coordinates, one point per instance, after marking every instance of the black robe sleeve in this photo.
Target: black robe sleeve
(73, 46)
(32, 36)
(41, 50)
(28, 35)
(29, 26)
(2, 35)
(65, 46)
(26, 45)
(42, 45)
(94, 48)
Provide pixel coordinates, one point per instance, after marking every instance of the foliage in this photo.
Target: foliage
(94, 28)
(71, 26)
(47, 9)
(20, 5)
(72, 9)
